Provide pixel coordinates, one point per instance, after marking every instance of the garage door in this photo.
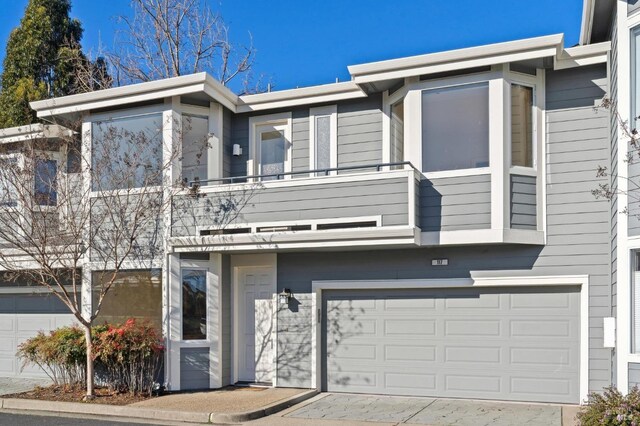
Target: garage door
(516, 344)
(21, 317)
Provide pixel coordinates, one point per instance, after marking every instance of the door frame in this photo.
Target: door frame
(248, 261)
(522, 281)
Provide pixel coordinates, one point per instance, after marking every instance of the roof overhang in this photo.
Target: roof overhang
(499, 53)
(596, 20)
(33, 132)
(144, 92)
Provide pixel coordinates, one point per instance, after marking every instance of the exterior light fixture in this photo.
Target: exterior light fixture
(285, 296)
(237, 150)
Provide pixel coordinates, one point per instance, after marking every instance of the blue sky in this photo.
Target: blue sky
(305, 43)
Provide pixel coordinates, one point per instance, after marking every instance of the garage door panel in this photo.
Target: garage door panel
(22, 316)
(465, 343)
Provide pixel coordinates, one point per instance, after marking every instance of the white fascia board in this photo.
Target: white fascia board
(582, 55)
(33, 131)
(458, 59)
(482, 236)
(188, 84)
(305, 95)
(587, 21)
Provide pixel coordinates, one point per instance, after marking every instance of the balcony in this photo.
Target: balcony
(373, 206)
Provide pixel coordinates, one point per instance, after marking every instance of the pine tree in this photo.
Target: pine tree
(41, 56)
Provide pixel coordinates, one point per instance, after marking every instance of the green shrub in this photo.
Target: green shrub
(611, 408)
(127, 357)
(61, 354)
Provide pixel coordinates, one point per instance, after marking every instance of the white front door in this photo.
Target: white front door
(256, 287)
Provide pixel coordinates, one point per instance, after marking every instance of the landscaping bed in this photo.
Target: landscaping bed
(77, 393)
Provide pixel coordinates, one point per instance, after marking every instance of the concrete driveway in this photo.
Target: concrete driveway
(10, 385)
(343, 409)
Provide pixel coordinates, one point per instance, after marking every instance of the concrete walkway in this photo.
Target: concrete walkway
(9, 385)
(350, 409)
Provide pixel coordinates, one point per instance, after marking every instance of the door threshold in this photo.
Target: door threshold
(244, 384)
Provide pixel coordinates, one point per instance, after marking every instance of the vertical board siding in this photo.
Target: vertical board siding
(194, 368)
(578, 224)
(523, 202)
(294, 343)
(449, 204)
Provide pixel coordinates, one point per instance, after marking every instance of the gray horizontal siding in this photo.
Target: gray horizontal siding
(385, 197)
(578, 231)
(448, 204)
(523, 202)
(294, 342)
(194, 368)
(360, 132)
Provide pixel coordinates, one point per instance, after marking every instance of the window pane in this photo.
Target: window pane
(272, 152)
(194, 304)
(635, 86)
(397, 133)
(46, 172)
(323, 142)
(455, 128)
(521, 126)
(195, 143)
(134, 294)
(127, 152)
(8, 193)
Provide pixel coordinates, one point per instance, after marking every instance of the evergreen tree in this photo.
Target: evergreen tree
(41, 58)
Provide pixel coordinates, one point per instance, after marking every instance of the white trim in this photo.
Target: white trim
(586, 23)
(623, 297)
(482, 236)
(523, 171)
(330, 111)
(364, 176)
(215, 160)
(580, 56)
(236, 262)
(283, 118)
(313, 223)
(104, 117)
(478, 171)
(317, 287)
(499, 123)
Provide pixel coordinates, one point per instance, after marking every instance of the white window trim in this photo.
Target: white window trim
(284, 118)
(317, 287)
(314, 113)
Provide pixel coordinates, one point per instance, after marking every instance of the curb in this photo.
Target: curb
(149, 414)
(262, 412)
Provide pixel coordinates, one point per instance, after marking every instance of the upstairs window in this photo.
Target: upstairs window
(195, 144)
(127, 152)
(455, 128)
(397, 133)
(46, 182)
(323, 137)
(521, 126)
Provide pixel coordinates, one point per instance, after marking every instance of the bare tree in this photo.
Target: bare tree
(169, 38)
(66, 212)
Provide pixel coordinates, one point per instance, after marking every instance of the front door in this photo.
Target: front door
(256, 286)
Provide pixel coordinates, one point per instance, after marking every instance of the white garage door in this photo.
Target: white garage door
(21, 317)
(516, 344)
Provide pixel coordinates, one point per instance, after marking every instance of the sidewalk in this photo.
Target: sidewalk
(220, 406)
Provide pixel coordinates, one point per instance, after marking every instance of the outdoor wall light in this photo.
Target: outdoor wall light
(285, 296)
(237, 150)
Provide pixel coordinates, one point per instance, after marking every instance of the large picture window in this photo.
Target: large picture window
(455, 128)
(127, 152)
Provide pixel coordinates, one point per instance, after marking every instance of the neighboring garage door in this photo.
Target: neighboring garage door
(21, 317)
(492, 343)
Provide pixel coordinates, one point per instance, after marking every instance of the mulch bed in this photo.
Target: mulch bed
(76, 394)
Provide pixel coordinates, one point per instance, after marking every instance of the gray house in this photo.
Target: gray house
(427, 228)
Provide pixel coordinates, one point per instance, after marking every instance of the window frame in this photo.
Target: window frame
(330, 111)
(168, 129)
(190, 267)
(281, 119)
